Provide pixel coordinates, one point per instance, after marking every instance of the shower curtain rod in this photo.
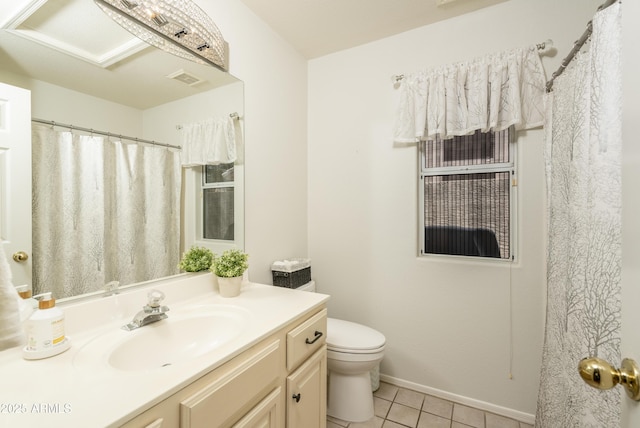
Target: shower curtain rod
(107, 134)
(540, 46)
(577, 46)
(233, 116)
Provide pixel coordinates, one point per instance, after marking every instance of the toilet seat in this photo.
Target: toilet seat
(352, 338)
(359, 357)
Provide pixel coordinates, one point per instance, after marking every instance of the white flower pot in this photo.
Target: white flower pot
(229, 287)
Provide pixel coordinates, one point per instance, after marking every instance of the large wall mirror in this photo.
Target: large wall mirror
(82, 69)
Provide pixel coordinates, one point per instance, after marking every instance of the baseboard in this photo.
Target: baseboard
(527, 418)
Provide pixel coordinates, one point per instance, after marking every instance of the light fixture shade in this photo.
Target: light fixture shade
(179, 27)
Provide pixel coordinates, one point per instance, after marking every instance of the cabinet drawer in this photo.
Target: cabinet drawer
(214, 404)
(305, 339)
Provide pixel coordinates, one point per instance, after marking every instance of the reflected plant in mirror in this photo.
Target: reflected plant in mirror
(196, 259)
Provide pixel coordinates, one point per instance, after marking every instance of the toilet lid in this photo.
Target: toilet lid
(349, 335)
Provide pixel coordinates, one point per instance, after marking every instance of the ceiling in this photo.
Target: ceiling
(95, 55)
(320, 27)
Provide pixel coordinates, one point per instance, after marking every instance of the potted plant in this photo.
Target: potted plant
(196, 259)
(229, 268)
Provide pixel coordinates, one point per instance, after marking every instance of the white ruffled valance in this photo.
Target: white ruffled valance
(488, 93)
(209, 142)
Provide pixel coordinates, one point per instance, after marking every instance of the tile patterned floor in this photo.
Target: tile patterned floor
(401, 408)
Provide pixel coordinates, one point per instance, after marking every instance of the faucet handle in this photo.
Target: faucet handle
(154, 298)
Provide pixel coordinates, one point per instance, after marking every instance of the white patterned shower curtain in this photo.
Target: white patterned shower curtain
(583, 137)
(103, 210)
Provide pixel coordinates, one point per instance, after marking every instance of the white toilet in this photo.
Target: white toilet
(353, 350)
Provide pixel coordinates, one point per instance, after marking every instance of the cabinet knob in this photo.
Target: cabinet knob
(296, 397)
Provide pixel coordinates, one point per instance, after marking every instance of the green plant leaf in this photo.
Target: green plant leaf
(196, 259)
(230, 264)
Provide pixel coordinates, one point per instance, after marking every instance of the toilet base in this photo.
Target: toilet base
(349, 398)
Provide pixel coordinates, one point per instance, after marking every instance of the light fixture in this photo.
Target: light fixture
(179, 27)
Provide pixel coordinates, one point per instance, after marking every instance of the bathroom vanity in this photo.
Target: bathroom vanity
(258, 359)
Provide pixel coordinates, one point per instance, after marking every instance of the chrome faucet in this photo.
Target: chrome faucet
(150, 313)
(111, 288)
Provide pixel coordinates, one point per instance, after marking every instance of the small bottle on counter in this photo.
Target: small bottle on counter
(45, 330)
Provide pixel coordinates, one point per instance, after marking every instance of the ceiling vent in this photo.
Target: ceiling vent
(186, 78)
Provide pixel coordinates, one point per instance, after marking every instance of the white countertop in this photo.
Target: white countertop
(66, 391)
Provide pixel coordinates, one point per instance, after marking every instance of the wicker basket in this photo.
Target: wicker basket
(291, 273)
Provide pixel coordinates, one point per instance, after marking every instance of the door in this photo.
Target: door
(630, 199)
(15, 180)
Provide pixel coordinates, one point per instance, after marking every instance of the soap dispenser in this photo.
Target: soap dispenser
(26, 303)
(45, 331)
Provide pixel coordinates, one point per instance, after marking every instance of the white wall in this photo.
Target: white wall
(456, 328)
(161, 122)
(275, 85)
(51, 102)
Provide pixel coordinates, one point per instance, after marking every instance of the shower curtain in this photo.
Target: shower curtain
(103, 210)
(583, 138)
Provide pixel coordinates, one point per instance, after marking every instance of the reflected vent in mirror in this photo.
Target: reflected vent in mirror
(186, 78)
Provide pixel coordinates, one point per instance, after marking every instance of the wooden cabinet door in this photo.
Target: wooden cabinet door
(266, 414)
(217, 403)
(307, 393)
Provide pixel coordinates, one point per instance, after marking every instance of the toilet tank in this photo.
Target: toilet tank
(309, 286)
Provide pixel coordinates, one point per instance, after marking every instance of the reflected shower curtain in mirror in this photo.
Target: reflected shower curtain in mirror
(103, 210)
(583, 137)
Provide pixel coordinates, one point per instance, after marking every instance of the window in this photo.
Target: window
(218, 193)
(467, 187)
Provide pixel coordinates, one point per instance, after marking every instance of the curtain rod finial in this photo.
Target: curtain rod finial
(545, 46)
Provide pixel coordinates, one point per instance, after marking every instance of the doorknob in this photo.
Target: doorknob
(602, 375)
(20, 256)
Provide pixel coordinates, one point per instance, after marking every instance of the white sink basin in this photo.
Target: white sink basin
(177, 339)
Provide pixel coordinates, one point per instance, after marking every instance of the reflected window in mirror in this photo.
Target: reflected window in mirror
(218, 195)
